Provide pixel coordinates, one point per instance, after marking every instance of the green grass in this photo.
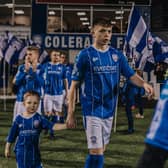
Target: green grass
(69, 148)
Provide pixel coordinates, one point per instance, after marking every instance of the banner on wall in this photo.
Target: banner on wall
(72, 41)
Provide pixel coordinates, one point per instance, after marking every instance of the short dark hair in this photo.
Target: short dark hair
(102, 21)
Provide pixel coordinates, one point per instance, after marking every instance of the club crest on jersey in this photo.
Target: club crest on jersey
(36, 123)
(115, 57)
(93, 139)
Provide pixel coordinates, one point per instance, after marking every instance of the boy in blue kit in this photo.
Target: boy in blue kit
(56, 84)
(26, 131)
(98, 69)
(156, 150)
(28, 77)
(69, 68)
(129, 92)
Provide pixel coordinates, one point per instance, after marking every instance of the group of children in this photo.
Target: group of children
(51, 80)
(26, 128)
(41, 92)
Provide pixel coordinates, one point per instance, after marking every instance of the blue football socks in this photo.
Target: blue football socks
(94, 161)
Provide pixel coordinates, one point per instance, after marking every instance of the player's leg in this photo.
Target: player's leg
(48, 104)
(128, 109)
(65, 104)
(152, 157)
(140, 106)
(58, 104)
(18, 109)
(98, 134)
(39, 110)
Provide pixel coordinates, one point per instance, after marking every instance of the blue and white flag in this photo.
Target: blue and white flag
(160, 50)
(27, 42)
(11, 53)
(137, 38)
(137, 31)
(43, 56)
(3, 45)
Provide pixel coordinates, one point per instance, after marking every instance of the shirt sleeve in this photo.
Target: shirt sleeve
(46, 124)
(65, 72)
(126, 70)
(20, 75)
(79, 66)
(13, 133)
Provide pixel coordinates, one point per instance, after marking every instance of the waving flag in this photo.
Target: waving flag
(27, 42)
(137, 31)
(160, 50)
(43, 53)
(13, 49)
(2, 47)
(3, 44)
(137, 38)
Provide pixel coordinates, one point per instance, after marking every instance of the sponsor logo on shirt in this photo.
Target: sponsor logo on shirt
(105, 69)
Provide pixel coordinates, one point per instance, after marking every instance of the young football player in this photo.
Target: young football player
(26, 130)
(97, 69)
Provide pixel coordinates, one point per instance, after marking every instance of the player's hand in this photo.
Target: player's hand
(71, 121)
(27, 64)
(7, 153)
(149, 89)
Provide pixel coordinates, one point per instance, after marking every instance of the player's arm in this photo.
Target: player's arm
(59, 126)
(71, 118)
(20, 76)
(137, 80)
(46, 124)
(13, 133)
(7, 149)
(66, 86)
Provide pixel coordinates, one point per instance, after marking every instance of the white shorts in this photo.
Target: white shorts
(19, 109)
(53, 103)
(98, 131)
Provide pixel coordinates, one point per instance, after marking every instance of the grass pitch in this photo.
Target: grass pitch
(69, 148)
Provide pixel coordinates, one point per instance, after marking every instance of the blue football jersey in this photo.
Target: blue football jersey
(30, 80)
(99, 75)
(54, 75)
(69, 68)
(26, 132)
(158, 131)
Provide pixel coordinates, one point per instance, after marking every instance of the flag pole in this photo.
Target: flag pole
(116, 109)
(4, 83)
(115, 116)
